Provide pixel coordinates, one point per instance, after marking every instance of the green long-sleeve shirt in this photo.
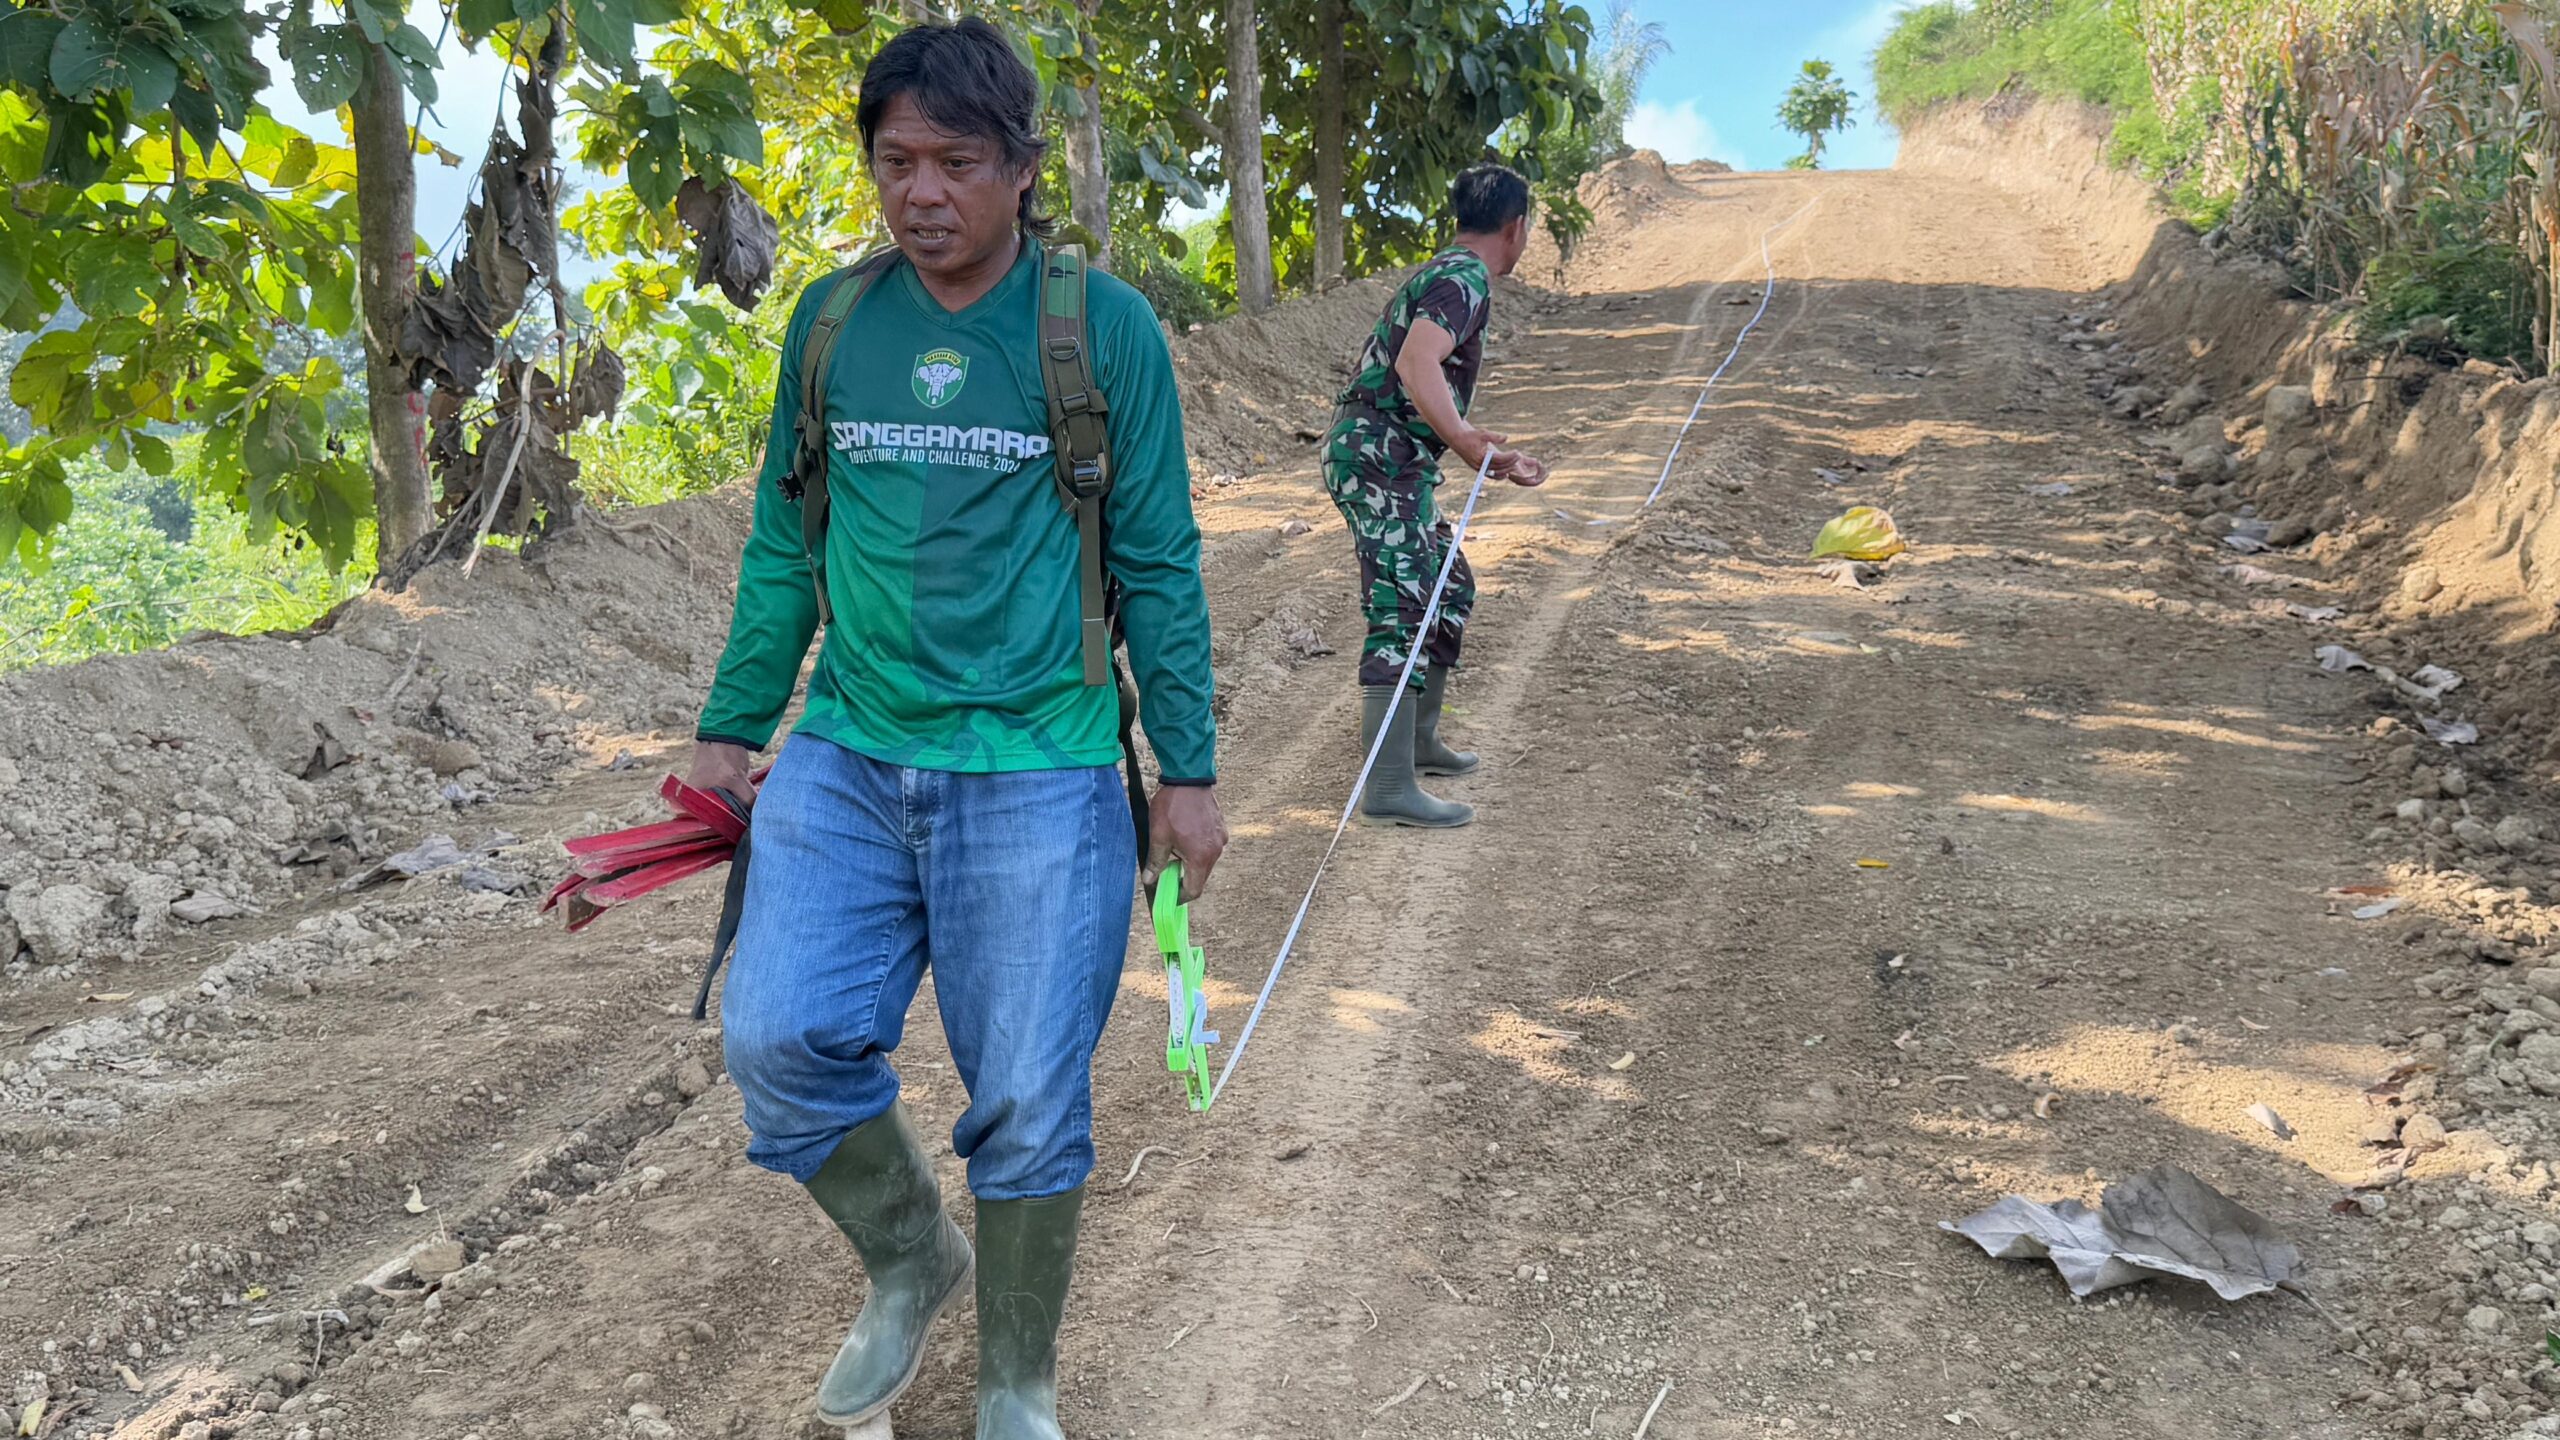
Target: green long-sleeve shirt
(951, 563)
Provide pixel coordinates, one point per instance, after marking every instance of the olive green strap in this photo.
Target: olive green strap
(807, 480)
(1079, 429)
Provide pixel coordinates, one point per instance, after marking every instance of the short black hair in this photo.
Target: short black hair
(968, 80)
(1487, 197)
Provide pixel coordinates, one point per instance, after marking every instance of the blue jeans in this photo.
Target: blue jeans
(1014, 888)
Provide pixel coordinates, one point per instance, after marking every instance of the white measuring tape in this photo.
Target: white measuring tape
(1422, 635)
(1768, 288)
(1421, 638)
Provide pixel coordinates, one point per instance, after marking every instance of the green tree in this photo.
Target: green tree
(168, 232)
(1819, 104)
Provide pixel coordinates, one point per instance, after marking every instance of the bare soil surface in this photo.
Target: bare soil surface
(1643, 1091)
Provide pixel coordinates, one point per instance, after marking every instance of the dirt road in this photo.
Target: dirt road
(1642, 1081)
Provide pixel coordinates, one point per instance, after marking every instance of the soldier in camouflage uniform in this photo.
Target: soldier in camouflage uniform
(1403, 410)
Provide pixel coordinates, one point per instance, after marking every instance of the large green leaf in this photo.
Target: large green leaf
(17, 257)
(604, 32)
(26, 47)
(80, 140)
(153, 453)
(417, 56)
(301, 157)
(376, 18)
(116, 277)
(482, 17)
(91, 57)
(656, 169)
(328, 64)
(657, 12)
(198, 116)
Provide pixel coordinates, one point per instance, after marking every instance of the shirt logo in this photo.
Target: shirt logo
(939, 376)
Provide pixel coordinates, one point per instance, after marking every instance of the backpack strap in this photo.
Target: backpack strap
(1079, 429)
(806, 481)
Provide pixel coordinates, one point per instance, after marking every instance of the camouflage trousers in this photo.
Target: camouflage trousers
(1383, 485)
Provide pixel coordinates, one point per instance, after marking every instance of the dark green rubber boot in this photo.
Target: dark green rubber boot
(879, 1189)
(1026, 1254)
(1393, 797)
(1430, 757)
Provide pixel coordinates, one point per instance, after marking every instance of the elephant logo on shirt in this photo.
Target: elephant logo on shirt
(939, 376)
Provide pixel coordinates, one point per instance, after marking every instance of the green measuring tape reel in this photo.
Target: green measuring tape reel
(1187, 1036)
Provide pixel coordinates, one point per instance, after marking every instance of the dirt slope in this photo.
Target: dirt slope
(1641, 1082)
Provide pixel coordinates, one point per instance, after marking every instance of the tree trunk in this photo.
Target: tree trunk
(1331, 142)
(1088, 170)
(1248, 207)
(386, 278)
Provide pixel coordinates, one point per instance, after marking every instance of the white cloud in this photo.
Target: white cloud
(1679, 132)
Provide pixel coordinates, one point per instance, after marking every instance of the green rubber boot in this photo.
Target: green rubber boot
(879, 1189)
(1430, 757)
(1027, 1253)
(1393, 797)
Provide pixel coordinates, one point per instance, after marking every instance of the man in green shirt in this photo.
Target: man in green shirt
(948, 800)
(1406, 406)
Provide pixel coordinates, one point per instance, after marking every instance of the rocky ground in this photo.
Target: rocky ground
(1799, 918)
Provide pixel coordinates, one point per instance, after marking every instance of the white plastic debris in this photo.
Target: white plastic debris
(2338, 659)
(2435, 681)
(2163, 1222)
(2450, 732)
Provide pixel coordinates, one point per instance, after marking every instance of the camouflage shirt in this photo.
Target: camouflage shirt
(1454, 291)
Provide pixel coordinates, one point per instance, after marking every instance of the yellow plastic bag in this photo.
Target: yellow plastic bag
(1864, 533)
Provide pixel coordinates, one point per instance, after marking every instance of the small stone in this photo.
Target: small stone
(2455, 782)
(56, 921)
(2381, 1132)
(2542, 1233)
(2454, 1217)
(693, 1080)
(2518, 832)
(2422, 1133)
(639, 1382)
(2486, 1319)
(2474, 835)
(437, 1261)
(2412, 810)
(2373, 1203)
(447, 758)
(2421, 584)
(2545, 982)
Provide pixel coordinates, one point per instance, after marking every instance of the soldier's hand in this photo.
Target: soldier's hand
(1481, 445)
(1521, 468)
(1186, 825)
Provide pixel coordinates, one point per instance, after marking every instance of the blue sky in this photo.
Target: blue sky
(1715, 96)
